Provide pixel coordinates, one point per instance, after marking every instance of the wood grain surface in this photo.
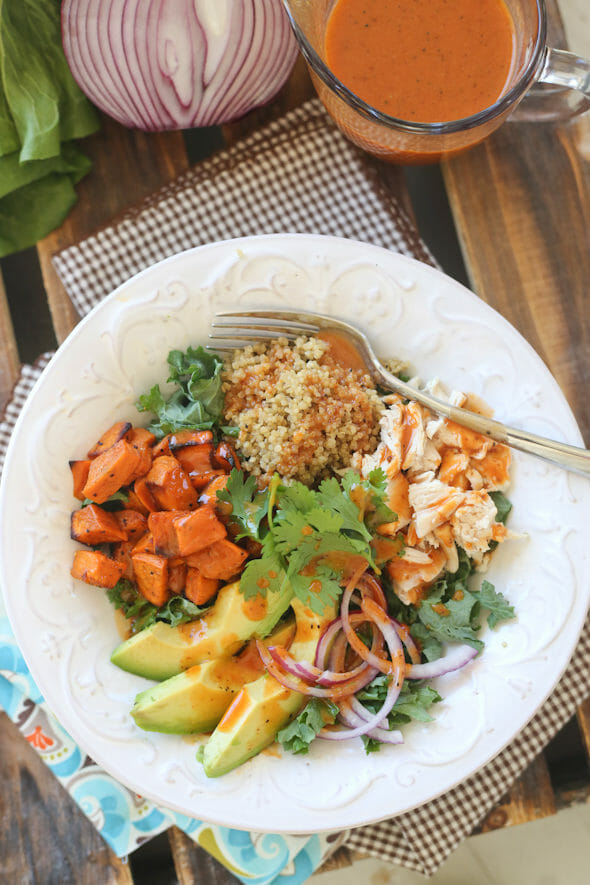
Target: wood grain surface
(521, 203)
(44, 838)
(128, 165)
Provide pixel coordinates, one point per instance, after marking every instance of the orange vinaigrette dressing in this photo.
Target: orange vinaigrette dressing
(422, 60)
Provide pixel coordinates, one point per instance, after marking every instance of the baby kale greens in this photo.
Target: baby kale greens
(307, 535)
(197, 404)
(452, 613)
(413, 702)
(503, 505)
(297, 736)
(141, 613)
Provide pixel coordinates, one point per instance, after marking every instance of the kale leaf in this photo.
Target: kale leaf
(197, 403)
(298, 735)
(141, 614)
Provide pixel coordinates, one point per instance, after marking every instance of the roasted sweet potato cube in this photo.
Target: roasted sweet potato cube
(109, 438)
(151, 577)
(145, 544)
(96, 568)
(170, 485)
(196, 530)
(110, 471)
(92, 525)
(162, 447)
(186, 437)
(225, 457)
(161, 525)
(121, 552)
(201, 480)
(176, 575)
(144, 496)
(140, 436)
(195, 459)
(142, 440)
(133, 523)
(222, 560)
(198, 588)
(79, 476)
(209, 494)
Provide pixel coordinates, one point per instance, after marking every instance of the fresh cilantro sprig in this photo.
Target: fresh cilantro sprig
(249, 505)
(141, 614)
(197, 403)
(307, 535)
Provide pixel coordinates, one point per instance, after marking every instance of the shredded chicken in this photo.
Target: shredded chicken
(439, 475)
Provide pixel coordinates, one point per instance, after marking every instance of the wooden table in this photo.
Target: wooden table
(520, 207)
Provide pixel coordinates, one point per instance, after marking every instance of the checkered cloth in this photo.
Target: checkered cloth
(299, 174)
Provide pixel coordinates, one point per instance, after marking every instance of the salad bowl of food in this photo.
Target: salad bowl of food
(262, 592)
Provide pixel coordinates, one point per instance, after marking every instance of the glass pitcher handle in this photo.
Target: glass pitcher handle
(561, 91)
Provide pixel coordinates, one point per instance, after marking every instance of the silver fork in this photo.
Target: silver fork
(235, 329)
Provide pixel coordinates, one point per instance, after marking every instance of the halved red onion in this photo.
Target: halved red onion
(457, 656)
(155, 64)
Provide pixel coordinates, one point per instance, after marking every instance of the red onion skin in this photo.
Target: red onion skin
(133, 60)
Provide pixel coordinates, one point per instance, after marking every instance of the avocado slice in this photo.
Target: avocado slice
(264, 706)
(194, 701)
(161, 651)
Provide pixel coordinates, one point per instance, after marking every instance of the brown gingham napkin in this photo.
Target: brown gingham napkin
(301, 175)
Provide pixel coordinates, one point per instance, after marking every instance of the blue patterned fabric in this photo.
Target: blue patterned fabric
(125, 819)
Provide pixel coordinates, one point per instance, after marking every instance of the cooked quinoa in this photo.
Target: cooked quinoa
(299, 412)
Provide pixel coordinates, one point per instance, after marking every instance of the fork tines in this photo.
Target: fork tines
(233, 330)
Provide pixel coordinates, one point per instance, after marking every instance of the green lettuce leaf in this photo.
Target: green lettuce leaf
(41, 111)
(46, 105)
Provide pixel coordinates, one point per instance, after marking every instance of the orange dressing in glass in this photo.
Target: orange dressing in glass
(422, 60)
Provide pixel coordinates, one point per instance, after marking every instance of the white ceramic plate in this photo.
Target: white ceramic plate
(66, 629)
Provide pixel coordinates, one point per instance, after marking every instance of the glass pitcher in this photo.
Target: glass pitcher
(534, 66)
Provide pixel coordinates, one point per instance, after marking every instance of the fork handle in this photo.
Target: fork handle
(568, 456)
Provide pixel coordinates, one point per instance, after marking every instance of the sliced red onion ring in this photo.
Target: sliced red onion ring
(314, 676)
(396, 671)
(330, 655)
(351, 716)
(403, 631)
(294, 683)
(457, 657)
(369, 584)
(376, 614)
